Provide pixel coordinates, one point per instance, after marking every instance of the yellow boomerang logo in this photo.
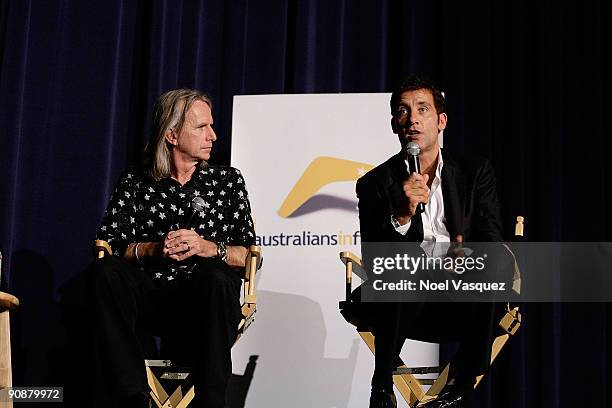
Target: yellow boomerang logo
(320, 172)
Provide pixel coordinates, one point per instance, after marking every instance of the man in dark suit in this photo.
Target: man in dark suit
(460, 198)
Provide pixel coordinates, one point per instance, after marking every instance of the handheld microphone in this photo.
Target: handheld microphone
(197, 205)
(414, 165)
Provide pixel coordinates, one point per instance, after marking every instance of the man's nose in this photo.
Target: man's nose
(409, 122)
(412, 120)
(212, 135)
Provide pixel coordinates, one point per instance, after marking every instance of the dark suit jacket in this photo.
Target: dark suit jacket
(471, 206)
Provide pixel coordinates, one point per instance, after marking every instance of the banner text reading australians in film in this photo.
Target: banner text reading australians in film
(309, 238)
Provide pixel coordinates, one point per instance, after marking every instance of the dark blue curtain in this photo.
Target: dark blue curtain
(527, 85)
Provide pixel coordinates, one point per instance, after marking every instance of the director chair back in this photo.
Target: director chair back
(413, 389)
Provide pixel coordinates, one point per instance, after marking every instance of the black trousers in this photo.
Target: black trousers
(202, 312)
(472, 325)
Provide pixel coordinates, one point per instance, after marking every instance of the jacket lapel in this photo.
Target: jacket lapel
(398, 173)
(453, 190)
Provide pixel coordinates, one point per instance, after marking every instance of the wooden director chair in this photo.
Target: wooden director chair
(7, 302)
(405, 378)
(179, 391)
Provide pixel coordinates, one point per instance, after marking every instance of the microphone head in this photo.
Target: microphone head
(197, 204)
(413, 149)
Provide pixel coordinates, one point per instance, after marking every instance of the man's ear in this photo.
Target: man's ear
(171, 137)
(442, 122)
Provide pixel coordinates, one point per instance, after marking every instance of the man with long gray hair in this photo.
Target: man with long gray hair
(179, 231)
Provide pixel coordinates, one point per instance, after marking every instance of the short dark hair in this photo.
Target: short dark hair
(413, 83)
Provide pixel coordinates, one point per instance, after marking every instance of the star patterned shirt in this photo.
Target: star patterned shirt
(144, 210)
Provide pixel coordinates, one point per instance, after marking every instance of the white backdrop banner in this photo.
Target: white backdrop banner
(300, 156)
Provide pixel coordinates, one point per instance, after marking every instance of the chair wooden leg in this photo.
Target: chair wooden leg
(407, 384)
(174, 399)
(6, 379)
(498, 344)
(440, 382)
(187, 398)
(411, 388)
(158, 393)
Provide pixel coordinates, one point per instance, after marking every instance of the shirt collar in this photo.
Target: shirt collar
(199, 174)
(440, 165)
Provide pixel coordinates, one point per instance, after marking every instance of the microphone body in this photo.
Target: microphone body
(197, 205)
(414, 165)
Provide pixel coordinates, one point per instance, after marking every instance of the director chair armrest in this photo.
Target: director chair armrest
(252, 264)
(249, 307)
(102, 249)
(352, 264)
(8, 301)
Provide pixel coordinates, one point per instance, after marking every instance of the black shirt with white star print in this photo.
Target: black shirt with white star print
(144, 210)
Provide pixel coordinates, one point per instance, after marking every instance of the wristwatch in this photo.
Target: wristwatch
(222, 251)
